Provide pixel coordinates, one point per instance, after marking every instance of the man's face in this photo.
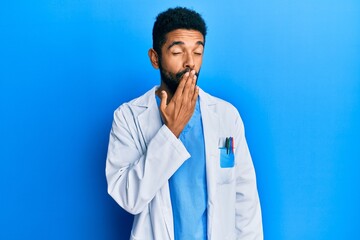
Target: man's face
(182, 52)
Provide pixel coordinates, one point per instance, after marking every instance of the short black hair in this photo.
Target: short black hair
(176, 18)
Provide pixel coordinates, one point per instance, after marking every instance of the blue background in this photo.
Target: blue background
(292, 68)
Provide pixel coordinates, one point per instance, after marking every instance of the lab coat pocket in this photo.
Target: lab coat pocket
(225, 167)
(226, 158)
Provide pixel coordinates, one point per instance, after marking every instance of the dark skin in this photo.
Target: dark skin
(182, 50)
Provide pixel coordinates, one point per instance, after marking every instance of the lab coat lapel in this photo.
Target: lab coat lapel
(148, 130)
(151, 113)
(211, 126)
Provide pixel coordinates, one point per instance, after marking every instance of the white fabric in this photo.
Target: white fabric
(143, 154)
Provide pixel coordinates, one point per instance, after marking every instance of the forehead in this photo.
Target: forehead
(189, 37)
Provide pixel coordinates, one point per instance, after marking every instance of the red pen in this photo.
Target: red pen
(232, 144)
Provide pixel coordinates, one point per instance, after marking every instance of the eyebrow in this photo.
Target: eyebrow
(182, 43)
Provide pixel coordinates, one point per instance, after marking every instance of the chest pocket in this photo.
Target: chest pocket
(225, 167)
(225, 162)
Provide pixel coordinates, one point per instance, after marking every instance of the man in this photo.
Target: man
(177, 158)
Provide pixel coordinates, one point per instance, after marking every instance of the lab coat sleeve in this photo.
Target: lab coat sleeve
(248, 211)
(136, 172)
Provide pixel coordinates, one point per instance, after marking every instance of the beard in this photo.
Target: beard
(172, 80)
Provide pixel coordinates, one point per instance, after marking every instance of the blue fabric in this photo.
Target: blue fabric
(188, 189)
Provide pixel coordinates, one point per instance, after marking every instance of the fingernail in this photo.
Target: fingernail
(187, 74)
(192, 71)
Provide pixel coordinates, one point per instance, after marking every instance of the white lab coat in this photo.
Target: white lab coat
(143, 154)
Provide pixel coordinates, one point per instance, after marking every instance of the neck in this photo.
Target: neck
(164, 87)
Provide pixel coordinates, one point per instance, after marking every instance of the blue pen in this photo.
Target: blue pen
(230, 144)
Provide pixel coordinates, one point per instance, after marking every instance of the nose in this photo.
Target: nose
(189, 61)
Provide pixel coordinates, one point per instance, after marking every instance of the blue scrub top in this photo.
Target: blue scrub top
(188, 189)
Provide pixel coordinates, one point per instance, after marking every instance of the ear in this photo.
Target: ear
(154, 58)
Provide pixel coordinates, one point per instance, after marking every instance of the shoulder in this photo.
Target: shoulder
(227, 113)
(220, 105)
(137, 105)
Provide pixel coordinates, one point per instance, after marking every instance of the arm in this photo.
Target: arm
(135, 173)
(134, 177)
(248, 211)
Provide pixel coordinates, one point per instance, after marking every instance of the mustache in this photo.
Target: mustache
(179, 75)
